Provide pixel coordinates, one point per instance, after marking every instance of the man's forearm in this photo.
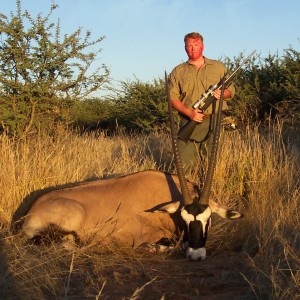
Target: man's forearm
(181, 108)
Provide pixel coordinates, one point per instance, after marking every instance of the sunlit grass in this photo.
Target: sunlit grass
(256, 173)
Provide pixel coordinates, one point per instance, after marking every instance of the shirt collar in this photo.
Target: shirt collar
(207, 61)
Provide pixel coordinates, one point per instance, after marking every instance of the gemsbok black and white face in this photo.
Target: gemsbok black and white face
(197, 219)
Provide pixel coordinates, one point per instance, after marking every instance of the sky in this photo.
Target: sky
(144, 38)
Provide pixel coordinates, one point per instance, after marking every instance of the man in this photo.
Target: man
(188, 81)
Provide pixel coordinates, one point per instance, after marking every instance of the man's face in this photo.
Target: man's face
(194, 48)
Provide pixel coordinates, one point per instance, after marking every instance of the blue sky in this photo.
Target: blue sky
(144, 38)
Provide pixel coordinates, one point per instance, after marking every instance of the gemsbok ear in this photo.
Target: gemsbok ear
(224, 211)
(167, 208)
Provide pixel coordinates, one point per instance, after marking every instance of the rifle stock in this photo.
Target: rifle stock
(186, 130)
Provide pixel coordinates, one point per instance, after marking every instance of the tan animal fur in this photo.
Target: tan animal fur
(124, 208)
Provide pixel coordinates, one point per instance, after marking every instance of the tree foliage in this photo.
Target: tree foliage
(46, 79)
(41, 74)
(141, 106)
(93, 113)
(267, 88)
(135, 106)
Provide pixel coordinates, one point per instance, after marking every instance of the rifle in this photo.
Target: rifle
(206, 100)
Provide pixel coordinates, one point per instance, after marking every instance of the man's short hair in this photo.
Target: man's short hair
(193, 35)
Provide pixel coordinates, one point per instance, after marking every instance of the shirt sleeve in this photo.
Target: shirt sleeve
(174, 86)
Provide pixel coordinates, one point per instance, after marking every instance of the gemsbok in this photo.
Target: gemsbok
(143, 207)
(138, 208)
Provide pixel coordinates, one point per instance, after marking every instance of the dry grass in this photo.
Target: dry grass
(256, 173)
(264, 171)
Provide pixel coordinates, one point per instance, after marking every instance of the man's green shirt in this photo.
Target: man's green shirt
(187, 83)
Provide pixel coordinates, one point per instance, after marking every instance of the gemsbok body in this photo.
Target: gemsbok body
(138, 208)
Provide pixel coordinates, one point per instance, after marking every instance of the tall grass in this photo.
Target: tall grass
(261, 167)
(257, 172)
(37, 163)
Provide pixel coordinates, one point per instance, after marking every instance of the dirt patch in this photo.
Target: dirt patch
(158, 277)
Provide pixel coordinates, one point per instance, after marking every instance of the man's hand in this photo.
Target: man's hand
(217, 94)
(196, 115)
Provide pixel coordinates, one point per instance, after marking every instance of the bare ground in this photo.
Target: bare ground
(172, 277)
(125, 275)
